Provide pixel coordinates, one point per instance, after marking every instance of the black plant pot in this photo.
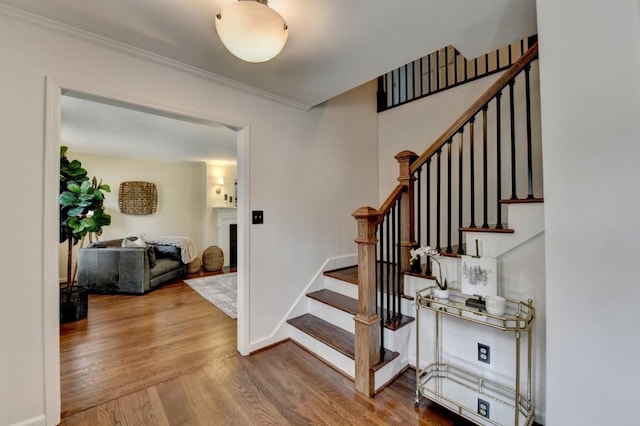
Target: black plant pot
(74, 303)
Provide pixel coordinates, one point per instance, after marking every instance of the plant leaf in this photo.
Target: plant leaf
(68, 199)
(73, 187)
(76, 211)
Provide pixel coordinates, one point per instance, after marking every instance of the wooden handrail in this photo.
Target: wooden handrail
(498, 85)
(389, 202)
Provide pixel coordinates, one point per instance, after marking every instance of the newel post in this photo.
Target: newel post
(407, 230)
(367, 321)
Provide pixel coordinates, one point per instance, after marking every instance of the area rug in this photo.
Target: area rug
(220, 290)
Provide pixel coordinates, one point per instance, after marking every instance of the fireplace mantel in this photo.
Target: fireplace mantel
(225, 216)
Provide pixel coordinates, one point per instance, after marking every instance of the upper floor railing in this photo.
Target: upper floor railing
(441, 70)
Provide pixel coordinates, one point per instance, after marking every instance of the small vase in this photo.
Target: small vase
(443, 296)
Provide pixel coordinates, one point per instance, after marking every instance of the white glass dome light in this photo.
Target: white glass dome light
(251, 30)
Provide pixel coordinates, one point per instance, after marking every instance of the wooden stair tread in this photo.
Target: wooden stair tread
(522, 200)
(331, 335)
(337, 300)
(348, 274)
(491, 229)
(397, 324)
(350, 305)
(334, 337)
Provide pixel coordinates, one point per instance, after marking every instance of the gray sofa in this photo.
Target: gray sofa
(106, 267)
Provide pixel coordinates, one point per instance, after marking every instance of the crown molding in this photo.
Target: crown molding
(120, 47)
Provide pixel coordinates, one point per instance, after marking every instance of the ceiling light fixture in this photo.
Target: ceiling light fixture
(251, 30)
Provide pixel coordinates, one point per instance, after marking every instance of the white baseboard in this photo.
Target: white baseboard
(33, 421)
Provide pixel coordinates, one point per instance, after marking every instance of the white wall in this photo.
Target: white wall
(307, 170)
(182, 193)
(416, 125)
(590, 90)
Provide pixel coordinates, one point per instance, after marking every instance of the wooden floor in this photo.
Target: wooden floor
(129, 343)
(169, 358)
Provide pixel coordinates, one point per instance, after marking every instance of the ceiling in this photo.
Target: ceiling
(122, 131)
(333, 46)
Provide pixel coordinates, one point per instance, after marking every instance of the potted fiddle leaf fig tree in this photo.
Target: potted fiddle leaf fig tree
(81, 214)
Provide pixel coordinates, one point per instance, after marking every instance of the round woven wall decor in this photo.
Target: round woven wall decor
(138, 198)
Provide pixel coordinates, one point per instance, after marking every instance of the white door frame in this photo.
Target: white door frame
(51, 295)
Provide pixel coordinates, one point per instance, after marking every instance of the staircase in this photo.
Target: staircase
(328, 329)
(359, 319)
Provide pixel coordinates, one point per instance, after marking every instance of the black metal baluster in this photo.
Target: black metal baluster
(395, 83)
(379, 293)
(510, 56)
(430, 73)
(460, 197)
(527, 69)
(449, 249)
(498, 160)
(446, 67)
(466, 69)
(397, 312)
(486, 63)
(475, 67)
(414, 85)
(418, 217)
(514, 193)
(438, 70)
(497, 59)
(421, 77)
(438, 191)
(472, 186)
(394, 266)
(485, 173)
(388, 268)
(406, 82)
(456, 54)
(428, 211)
(379, 268)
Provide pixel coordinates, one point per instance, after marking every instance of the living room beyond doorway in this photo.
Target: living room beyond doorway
(129, 342)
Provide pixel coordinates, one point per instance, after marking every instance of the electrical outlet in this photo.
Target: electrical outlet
(483, 408)
(484, 354)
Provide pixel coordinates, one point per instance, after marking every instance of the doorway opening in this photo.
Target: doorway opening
(57, 96)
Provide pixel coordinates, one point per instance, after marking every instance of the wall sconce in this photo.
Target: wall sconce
(220, 182)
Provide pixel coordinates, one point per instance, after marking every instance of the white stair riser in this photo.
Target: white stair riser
(332, 315)
(383, 376)
(398, 340)
(331, 356)
(342, 287)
